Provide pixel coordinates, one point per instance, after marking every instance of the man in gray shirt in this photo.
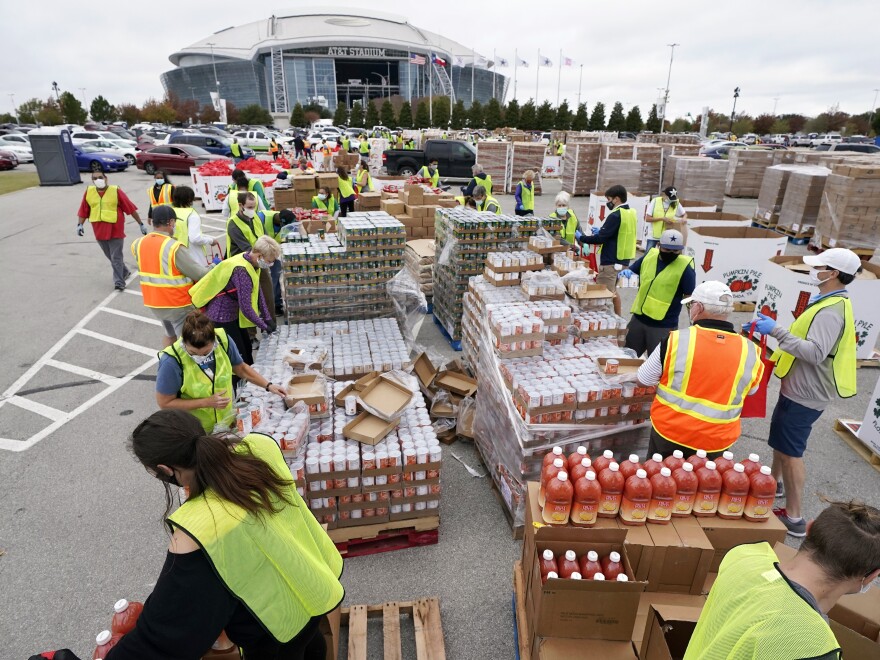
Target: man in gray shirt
(816, 360)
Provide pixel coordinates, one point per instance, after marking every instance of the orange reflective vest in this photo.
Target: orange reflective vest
(164, 195)
(706, 375)
(162, 284)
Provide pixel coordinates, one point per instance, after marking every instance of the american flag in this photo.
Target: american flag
(416, 59)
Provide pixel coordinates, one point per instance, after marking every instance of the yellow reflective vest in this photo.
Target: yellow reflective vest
(329, 205)
(656, 292)
(346, 188)
(253, 185)
(200, 384)
(164, 195)
(570, 226)
(103, 208)
(626, 235)
(490, 204)
(657, 227)
(217, 279)
(486, 183)
(425, 173)
(843, 357)
(281, 565)
(527, 194)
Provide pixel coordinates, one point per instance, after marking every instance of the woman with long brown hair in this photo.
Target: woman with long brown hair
(246, 555)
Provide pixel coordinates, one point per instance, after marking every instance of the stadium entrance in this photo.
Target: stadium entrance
(361, 80)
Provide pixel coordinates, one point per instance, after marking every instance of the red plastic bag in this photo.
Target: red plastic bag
(755, 405)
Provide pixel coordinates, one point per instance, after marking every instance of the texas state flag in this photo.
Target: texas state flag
(438, 60)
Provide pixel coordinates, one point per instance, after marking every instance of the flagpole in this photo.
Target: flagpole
(494, 71)
(515, 64)
(580, 82)
(537, 76)
(473, 66)
(559, 79)
(431, 91)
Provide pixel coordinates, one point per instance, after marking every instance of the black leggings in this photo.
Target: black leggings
(346, 204)
(309, 644)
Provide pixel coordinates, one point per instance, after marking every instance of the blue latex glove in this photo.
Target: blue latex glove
(595, 230)
(80, 229)
(577, 234)
(627, 273)
(764, 324)
(143, 229)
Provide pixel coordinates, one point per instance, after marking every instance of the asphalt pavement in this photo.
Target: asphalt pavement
(80, 519)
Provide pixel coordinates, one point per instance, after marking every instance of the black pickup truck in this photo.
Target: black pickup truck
(455, 158)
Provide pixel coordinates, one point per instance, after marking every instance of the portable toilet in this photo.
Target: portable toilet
(54, 157)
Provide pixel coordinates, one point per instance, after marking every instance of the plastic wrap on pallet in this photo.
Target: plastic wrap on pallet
(410, 306)
(513, 450)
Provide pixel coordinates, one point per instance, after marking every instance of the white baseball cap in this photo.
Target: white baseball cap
(846, 261)
(711, 293)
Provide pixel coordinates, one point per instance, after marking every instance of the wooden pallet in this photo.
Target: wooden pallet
(363, 540)
(864, 253)
(871, 362)
(744, 307)
(520, 623)
(425, 616)
(842, 430)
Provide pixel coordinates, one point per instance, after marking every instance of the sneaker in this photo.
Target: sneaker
(797, 529)
(780, 489)
(120, 287)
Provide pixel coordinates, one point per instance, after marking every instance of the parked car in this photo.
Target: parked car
(22, 152)
(721, 150)
(455, 158)
(93, 159)
(850, 147)
(173, 158)
(803, 140)
(211, 143)
(258, 140)
(828, 138)
(8, 161)
(18, 138)
(120, 147)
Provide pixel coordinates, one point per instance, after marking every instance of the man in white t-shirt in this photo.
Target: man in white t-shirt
(663, 213)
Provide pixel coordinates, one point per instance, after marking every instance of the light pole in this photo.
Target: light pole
(775, 101)
(14, 110)
(733, 112)
(580, 84)
(85, 100)
(214, 65)
(668, 79)
(55, 89)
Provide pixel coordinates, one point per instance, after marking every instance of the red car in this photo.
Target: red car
(8, 160)
(173, 158)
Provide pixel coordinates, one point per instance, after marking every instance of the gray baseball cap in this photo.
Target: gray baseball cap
(671, 239)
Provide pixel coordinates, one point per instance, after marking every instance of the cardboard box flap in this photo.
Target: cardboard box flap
(386, 398)
(425, 371)
(854, 645)
(361, 383)
(368, 429)
(455, 382)
(423, 247)
(668, 631)
(669, 612)
(735, 232)
(543, 532)
(559, 648)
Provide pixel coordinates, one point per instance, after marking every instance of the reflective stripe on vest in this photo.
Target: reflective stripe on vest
(198, 384)
(162, 284)
(626, 234)
(425, 173)
(706, 375)
(528, 196)
(103, 208)
(281, 565)
(164, 195)
(486, 183)
(330, 205)
(656, 292)
(571, 224)
(843, 365)
(346, 189)
(218, 278)
(657, 227)
(250, 234)
(485, 206)
(754, 612)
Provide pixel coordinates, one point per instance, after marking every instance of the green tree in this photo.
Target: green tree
(634, 121)
(405, 116)
(779, 126)
(653, 123)
(617, 120)
(459, 115)
(71, 109)
(27, 111)
(340, 117)
(372, 117)
(493, 117)
(545, 117)
(233, 116)
(680, 125)
(254, 115)
(298, 116)
(512, 114)
(386, 114)
(101, 110)
(528, 116)
(476, 117)
(153, 111)
(50, 114)
(743, 124)
(875, 122)
(581, 119)
(423, 116)
(597, 118)
(796, 122)
(563, 117)
(7, 118)
(441, 109)
(131, 114)
(764, 123)
(356, 117)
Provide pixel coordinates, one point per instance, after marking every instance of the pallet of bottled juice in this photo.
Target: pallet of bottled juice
(344, 275)
(347, 483)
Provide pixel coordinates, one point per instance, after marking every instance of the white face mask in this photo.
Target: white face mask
(814, 276)
(322, 197)
(100, 183)
(160, 182)
(561, 210)
(262, 263)
(248, 212)
(202, 360)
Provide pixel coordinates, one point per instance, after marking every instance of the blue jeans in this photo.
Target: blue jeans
(652, 243)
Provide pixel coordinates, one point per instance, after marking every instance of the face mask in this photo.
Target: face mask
(100, 183)
(322, 197)
(610, 205)
(202, 360)
(160, 182)
(814, 276)
(262, 263)
(561, 210)
(668, 257)
(248, 212)
(171, 479)
(865, 587)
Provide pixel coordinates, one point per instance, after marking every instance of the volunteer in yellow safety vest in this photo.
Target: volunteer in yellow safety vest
(242, 231)
(346, 191)
(274, 148)
(703, 374)
(525, 194)
(480, 178)
(486, 202)
(364, 147)
(364, 180)
(567, 217)
(188, 228)
(346, 144)
(617, 238)
(246, 555)
(160, 192)
(761, 608)
(431, 172)
(665, 277)
(816, 360)
(196, 372)
(663, 211)
(325, 201)
(235, 150)
(167, 271)
(241, 183)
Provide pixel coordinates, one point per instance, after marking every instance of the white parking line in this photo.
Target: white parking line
(82, 371)
(35, 407)
(118, 342)
(134, 292)
(129, 315)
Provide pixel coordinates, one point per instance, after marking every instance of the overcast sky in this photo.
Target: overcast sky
(810, 54)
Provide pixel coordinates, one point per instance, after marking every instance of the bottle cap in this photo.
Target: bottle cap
(558, 462)
(710, 465)
(657, 458)
(590, 476)
(754, 458)
(121, 605)
(598, 576)
(562, 476)
(576, 576)
(701, 453)
(570, 556)
(678, 453)
(622, 578)
(738, 467)
(615, 557)
(688, 467)
(614, 467)
(765, 469)
(666, 472)
(557, 450)
(552, 574)
(641, 474)
(586, 462)
(592, 555)
(728, 455)
(582, 450)
(548, 555)
(103, 637)
(633, 458)
(608, 454)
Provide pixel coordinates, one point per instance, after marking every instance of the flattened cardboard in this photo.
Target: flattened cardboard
(386, 397)
(725, 534)
(425, 371)
(457, 383)
(368, 429)
(592, 292)
(307, 388)
(558, 648)
(668, 631)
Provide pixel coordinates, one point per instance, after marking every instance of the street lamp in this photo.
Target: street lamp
(775, 102)
(14, 110)
(382, 84)
(668, 79)
(733, 112)
(85, 99)
(214, 64)
(55, 89)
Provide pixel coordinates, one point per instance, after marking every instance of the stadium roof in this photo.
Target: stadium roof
(320, 25)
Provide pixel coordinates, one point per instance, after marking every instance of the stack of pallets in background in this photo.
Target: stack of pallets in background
(699, 178)
(668, 138)
(672, 152)
(651, 157)
(803, 196)
(746, 171)
(580, 169)
(626, 173)
(526, 156)
(419, 257)
(772, 193)
(849, 215)
(495, 158)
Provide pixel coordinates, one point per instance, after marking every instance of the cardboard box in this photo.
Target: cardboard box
(625, 365)
(392, 206)
(656, 598)
(681, 557)
(668, 631)
(364, 381)
(386, 398)
(557, 648)
(425, 372)
(456, 382)
(368, 429)
(308, 388)
(697, 219)
(725, 534)
(736, 256)
(853, 644)
(285, 198)
(329, 627)
(329, 179)
(307, 182)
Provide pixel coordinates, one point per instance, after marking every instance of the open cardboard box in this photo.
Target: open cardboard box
(386, 398)
(368, 429)
(308, 388)
(590, 292)
(657, 598)
(456, 382)
(339, 399)
(364, 381)
(725, 534)
(668, 631)
(425, 372)
(625, 365)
